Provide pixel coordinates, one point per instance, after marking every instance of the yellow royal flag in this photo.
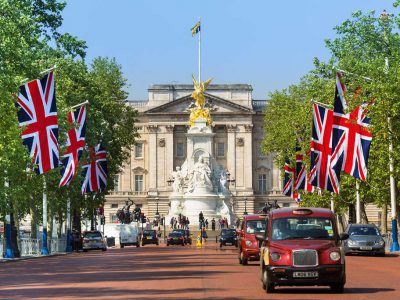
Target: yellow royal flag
(196, 28)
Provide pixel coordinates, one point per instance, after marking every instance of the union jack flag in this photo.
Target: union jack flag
(302, 177)
(95, 172)
(322, 174)
(75, 145)
(36, 104)
(288, 182)
(351, 139)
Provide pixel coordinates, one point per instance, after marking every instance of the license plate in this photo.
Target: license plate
(149, 238)
(305, 274)
(366, 248)
(228, 244)
(176, 239)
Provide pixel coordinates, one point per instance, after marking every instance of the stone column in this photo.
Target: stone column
(231, 150)
(152, 129)
(276, 179)
(248, 157)
(169, 144)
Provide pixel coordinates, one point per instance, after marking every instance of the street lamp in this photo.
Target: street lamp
(157, 215)
(245, 206)
(395, 243)
(170, 181)
(231, 181)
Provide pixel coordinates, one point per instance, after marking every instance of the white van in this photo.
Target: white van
(129, 235)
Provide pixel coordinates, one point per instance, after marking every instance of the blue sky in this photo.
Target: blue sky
(268, 44)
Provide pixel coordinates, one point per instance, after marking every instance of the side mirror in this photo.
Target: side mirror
(343, 236)
(260, 237)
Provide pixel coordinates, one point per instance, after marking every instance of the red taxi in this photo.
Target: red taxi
(248, 245)
(302, 247)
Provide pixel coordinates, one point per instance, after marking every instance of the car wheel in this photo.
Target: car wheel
(157, 243)
(121, 245)
(143, 244)
(268, 286)
(104, 249)
(167, 244)
(220, 245)
(183, 244)
(242, 260)
(337, 287)
(138, 245)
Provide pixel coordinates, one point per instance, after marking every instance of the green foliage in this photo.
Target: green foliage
(361, 46)
(29, 43)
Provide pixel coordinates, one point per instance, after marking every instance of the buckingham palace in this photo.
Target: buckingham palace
(237, 128)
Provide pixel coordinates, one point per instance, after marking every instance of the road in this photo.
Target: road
(178, 272)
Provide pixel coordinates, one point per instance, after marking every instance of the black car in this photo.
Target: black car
(186, 234)
(175, 238)
(149, 237)
(364, 238)
(228, 237)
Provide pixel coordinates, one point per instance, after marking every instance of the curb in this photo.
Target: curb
(7, 260)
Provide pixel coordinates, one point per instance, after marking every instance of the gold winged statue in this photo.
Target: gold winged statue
(199, 89)
(199, 111)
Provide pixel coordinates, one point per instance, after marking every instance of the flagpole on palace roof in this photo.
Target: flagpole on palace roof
(200, 51)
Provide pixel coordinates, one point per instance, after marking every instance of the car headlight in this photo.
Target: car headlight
(248, 243)
(334, 255)
(380, 242)
(275, 256)
(352, 242)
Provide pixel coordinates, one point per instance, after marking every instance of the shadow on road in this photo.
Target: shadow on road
(312, 290)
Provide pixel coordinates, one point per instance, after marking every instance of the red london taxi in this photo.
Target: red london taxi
(248, 245)
(302, 247)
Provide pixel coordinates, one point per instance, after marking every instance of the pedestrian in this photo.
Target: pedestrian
(226, 222)
(213, 224)
(171, 223)
(206, 223)
(204, 235)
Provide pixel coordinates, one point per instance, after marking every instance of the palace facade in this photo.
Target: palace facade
(238, 119)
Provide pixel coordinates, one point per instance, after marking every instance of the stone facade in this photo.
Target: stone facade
(162, 145)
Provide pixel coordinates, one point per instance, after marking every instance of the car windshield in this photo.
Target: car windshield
(175, 234)
(228, 232)
(302, 228)
(254, 226)
(149, 232)
(363, 230)
(90, 235)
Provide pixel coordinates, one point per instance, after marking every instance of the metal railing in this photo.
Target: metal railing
(33, 247)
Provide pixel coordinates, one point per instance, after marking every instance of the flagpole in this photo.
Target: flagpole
(45, 250)
(346, 72)
(41, 73)
(200, 51)
(69, 240)
(80, 104)
(322, 104)
(358, 203)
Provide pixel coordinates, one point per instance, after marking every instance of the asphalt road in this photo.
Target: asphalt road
(178, 272)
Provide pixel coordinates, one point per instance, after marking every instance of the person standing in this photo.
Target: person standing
(213, 224)
(206, 223)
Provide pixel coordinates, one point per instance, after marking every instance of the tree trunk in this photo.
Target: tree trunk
(384, 219)
(34, 222)
(14, 237)
(60, 223)
(364, 217)
(50, 230)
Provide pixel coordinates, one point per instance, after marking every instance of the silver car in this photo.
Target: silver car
(93, 240)
(364, 238)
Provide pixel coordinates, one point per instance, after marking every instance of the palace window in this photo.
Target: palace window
(220, 149)
(180, 149)
(262, 183)
(114, 205)
(138, 183)
(139, 150)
